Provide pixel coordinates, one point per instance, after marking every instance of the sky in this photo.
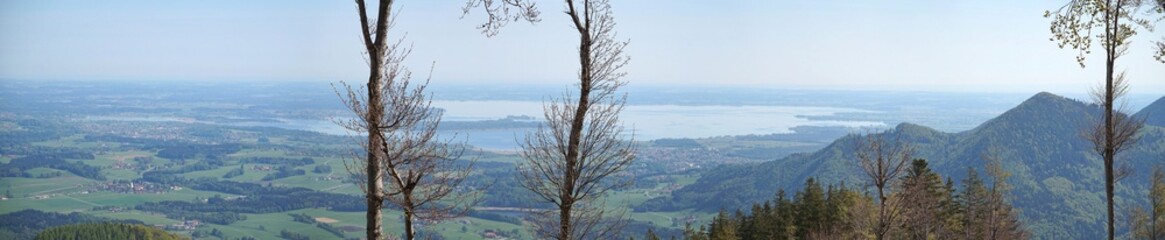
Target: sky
(908, 45)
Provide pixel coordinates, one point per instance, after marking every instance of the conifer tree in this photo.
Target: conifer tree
(810, 209)
(650, 235)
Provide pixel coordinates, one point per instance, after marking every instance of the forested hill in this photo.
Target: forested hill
(1057, 178)
(106, 231)
(1154, 114)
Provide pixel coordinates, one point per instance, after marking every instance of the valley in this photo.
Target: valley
(212, 163)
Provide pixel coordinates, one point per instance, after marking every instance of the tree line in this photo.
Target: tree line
(936, 210)
(26, 224)
(106, 231)
(17, 167)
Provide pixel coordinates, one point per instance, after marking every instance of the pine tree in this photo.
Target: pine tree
(722, 228)
(923, 218)
(693, 234)
(650, 235)
(973, 201)
(810, 209)
(785, 217)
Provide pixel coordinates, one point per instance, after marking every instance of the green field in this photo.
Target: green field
(62, 191)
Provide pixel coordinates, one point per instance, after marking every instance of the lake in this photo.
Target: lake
(646, 122)
(673, 121)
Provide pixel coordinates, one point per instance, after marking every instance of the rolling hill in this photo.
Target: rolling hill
(1057, 177)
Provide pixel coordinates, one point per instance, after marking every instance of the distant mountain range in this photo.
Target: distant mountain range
(1057, 177)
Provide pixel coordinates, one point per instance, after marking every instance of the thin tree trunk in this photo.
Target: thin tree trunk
(881, 234)
(564, 221)
(410, 234)
(579, 147)
(572, 160)
(1108, 177)
(375, 48)
(1109, 152)
(375, 200)
(1152, 215)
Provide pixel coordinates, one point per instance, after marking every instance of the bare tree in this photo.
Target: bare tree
(1072, 26)
(862, 216)
(401, 126)
(1149, 223)
(884, 160)
(1111, 135)
(575, 157)
(1002, 220)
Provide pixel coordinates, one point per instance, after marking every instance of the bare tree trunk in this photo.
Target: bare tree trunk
(576, 127)
(883, 223)
(403, 165)
(570, 160)
(375, 203)
(883, 162)
(375, 110)
(374, 172)
(1109, 153)
(410, 234)
(565, 226)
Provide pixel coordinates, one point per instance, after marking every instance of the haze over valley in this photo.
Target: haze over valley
(582, 119)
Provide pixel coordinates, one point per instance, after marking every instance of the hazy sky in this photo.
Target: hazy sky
(993, 46)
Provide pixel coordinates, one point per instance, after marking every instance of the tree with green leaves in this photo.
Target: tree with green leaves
(986, 212)
(108, 230)
(1117, 21)
(815, 212)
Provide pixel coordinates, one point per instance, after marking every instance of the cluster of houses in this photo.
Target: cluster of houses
(187, 225)
(131, 187)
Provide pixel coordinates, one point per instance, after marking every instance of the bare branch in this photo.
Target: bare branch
(577, 156)
(499, 14)
(883, 160)
(404, 164)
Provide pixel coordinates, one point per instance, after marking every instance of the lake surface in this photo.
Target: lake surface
(673, 121)
(646, 122)
(649, 122)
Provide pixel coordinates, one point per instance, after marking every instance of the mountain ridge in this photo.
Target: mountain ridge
(1154, 113)
(1055, 172)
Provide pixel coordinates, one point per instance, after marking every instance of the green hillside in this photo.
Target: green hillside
(106, 230)
(1154, 113)
(1057, 177)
